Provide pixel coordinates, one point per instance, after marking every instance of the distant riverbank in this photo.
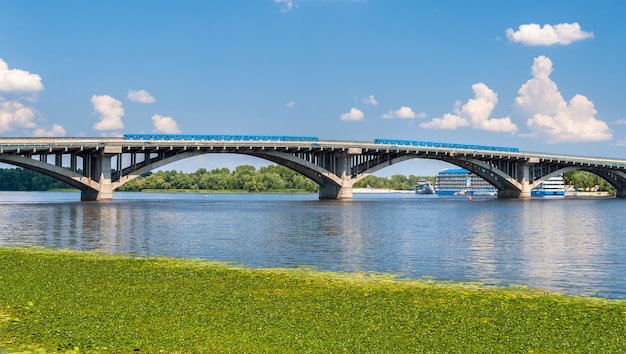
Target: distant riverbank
(380, 190)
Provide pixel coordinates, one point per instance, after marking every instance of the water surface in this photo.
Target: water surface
(575, 246)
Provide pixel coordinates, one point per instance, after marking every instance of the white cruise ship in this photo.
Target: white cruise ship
(553, 186)
(462, 182)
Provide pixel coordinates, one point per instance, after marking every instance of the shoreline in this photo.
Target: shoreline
(380, 191)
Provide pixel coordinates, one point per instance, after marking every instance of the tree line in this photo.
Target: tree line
(19, 179)
(242, 178)
(248, 178)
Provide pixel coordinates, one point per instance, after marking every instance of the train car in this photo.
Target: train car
(427, 144)
(219, 137)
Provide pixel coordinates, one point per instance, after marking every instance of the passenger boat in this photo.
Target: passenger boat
(424, 187)
(553, 187)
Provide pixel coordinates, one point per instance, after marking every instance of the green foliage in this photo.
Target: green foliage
(19, 179)
(396, 182)
(587, 181)
(245, 178)
(95, 303)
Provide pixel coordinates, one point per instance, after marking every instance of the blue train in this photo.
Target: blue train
(220, 137)
(427, 144)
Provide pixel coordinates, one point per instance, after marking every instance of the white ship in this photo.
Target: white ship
(553, 186)
(424, 187)
(462, 182)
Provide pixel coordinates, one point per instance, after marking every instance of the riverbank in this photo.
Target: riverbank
(380, 190)
(96, 303)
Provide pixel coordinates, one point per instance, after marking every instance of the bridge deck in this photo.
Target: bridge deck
(334, 165)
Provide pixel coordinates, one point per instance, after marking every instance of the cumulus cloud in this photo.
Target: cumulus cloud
(13, 114)
(448, 121)
(476, 112)
(110, 110)
(140, 96)
(553, 118)
(402, 113)
(354, 115)
(165, 125)
(57, 130)
(16, 80)
(535, 35)
(287, 5)
(370, 100)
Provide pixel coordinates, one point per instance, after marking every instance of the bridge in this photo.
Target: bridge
(97, 166)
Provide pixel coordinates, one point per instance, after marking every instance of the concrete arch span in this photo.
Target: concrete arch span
(331, 185)
(617, 179)
(508, 187)
(62, 174)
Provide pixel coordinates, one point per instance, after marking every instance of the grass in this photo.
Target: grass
(67, 301)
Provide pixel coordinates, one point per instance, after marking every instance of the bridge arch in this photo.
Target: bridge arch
(505, 184)
(72, 178)
(617, 179)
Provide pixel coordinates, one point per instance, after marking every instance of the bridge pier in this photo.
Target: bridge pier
(338, 163)
(97, 166)
(525, 192)
(334, 191)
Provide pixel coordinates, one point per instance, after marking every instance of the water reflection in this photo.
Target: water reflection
(574, 246)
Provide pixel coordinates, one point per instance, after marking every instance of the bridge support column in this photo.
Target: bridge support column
(335, 191)
(525, 193)
(523, 178)
(339, 164)
(97, 166)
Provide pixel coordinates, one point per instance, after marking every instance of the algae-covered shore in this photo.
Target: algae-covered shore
(72, 301)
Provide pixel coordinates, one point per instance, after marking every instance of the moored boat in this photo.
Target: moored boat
(552, 187)
(424, 187)
(462, 182)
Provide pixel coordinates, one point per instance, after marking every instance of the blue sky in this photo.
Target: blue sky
(544, 76)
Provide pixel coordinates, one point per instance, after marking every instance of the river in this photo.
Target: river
(569, 245)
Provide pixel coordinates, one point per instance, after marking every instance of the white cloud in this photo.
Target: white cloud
(141, 96)
(57, 130)
(478, 110)
(370, 100)
(16, 80)
(13, 114)
(475, 113)
(165, 125)
(291, 104)
(535, 35)
(287, 5)
(448, 121)
(353, 115)
(551, 117)
(402, 113)
(110, 110)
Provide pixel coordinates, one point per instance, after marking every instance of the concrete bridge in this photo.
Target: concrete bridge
(97, 166)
